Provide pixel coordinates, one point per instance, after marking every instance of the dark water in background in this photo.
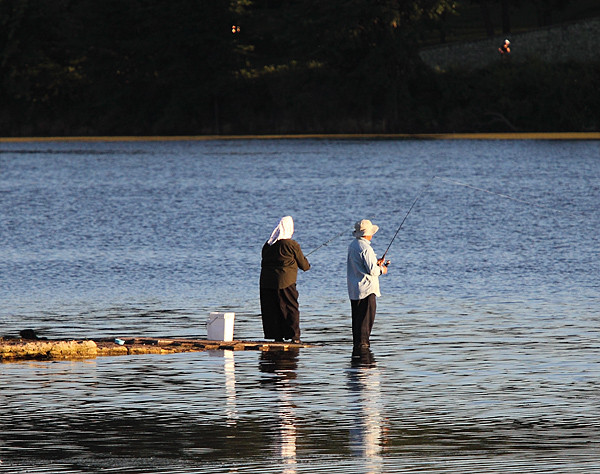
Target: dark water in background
(485, 352)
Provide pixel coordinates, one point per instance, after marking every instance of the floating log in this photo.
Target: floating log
(64, 349)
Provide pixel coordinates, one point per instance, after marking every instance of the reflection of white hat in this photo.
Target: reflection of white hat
(506, 41)
(364, 227)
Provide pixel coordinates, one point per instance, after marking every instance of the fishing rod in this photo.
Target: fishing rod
(398, 230)
(466, 185)
(447, 180)
(325, 243)
(403, 220)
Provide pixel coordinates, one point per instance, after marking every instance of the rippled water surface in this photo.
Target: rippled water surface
(485, 354)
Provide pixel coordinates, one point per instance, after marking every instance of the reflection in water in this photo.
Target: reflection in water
(365, 400)
(229, 370)
(281, 363)
(284, 364)
(231, 411)
(499, 363)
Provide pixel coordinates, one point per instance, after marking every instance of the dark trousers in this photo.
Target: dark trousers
(363, 317)
(280, 313)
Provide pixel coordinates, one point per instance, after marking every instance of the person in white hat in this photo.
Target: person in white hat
(281, 258)
(363, 271)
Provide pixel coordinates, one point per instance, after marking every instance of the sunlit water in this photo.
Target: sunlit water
(485, 354)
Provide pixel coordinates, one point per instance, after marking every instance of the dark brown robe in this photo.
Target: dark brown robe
(278, 294)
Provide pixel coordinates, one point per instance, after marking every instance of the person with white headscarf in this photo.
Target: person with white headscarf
(363, 271)
(281, 258)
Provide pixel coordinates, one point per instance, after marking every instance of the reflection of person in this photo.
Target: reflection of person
(281, 369)
(363, 270)
(281, 363)
(281, 258)
(367, 430)
(362, 358)
(505, 48)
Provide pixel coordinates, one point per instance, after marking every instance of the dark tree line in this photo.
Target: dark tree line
(544, 11)
(114, 67)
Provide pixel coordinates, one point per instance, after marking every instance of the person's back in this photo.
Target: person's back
(280, 263)
(363, 270)
(281, 258)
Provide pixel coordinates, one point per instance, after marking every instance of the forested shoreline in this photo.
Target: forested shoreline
(89, 67)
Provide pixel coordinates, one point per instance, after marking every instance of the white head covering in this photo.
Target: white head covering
(284, 230)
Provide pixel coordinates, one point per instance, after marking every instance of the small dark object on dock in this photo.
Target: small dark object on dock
(30, 334)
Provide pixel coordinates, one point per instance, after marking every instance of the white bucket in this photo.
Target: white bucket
(219, 326)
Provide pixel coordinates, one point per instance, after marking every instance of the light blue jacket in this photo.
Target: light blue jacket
(363, 271)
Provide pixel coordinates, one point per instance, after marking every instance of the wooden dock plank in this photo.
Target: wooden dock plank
(63, 349)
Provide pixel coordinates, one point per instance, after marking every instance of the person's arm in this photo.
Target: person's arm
(303, 263)
(371, 264)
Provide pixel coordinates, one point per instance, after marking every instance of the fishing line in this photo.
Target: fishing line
(459, 183)
(403, 220)
(466, 185)
(447, 180)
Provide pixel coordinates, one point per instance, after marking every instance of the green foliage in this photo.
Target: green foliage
(96, 67)
(526, 97)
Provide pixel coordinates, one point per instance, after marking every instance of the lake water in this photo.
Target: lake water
(485, 355)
